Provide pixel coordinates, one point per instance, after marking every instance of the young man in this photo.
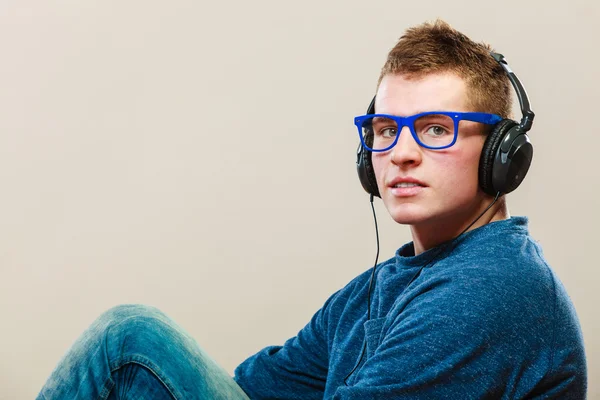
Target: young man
(468, 309)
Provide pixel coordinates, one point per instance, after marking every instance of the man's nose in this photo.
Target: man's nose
(406, 151)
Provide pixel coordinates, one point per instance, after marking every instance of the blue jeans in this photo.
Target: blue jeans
(137, 352)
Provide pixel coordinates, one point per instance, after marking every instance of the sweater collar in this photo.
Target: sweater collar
(405, 255)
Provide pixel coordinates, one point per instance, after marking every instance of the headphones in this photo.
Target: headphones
(506, 155)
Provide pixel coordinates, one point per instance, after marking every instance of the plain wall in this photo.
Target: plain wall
(200, 157)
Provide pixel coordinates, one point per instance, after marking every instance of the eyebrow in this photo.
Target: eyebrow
(382, 119)
(435, 113)
(418, 112)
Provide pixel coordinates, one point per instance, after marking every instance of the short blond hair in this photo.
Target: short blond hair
(436, 47)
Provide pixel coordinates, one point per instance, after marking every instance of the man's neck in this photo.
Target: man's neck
(431, 234)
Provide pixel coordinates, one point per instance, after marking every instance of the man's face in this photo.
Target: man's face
(449, 193)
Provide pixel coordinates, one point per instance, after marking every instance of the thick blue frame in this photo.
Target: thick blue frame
(484, 118)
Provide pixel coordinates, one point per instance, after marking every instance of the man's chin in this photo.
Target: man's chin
(409, 217)
(409, 211)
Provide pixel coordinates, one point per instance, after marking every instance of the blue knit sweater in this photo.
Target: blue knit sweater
(484, 317)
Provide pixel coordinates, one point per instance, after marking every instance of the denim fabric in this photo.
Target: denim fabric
(484, 318)
(137, 352)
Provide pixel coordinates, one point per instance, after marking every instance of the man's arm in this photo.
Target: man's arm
(296, 370)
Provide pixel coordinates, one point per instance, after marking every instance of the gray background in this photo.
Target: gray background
(199, 157)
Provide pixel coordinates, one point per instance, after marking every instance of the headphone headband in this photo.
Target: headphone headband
(527, 114)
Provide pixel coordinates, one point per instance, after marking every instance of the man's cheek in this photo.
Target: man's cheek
(378, 168)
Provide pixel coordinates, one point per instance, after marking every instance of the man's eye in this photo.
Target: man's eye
(436, 130)
(386, 132)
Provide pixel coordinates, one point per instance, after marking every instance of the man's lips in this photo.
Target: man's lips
(405, 186)
(406, 180)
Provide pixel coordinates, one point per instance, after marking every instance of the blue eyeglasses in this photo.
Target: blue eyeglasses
(434, 130)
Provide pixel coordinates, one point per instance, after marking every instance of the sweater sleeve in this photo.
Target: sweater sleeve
(296, 370)
(474, 334)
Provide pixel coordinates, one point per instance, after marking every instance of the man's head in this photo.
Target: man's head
(435, 68)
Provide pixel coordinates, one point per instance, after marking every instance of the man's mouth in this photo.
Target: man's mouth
(405, 182)
(406, 185)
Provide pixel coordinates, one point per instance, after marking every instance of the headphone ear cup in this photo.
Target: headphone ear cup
(366, 174)
(488, 155)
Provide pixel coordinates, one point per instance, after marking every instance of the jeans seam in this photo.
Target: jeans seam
(106, 389)
(152, 367)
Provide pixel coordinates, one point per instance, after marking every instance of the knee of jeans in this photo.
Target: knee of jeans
(125, 311)
(139, 330)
